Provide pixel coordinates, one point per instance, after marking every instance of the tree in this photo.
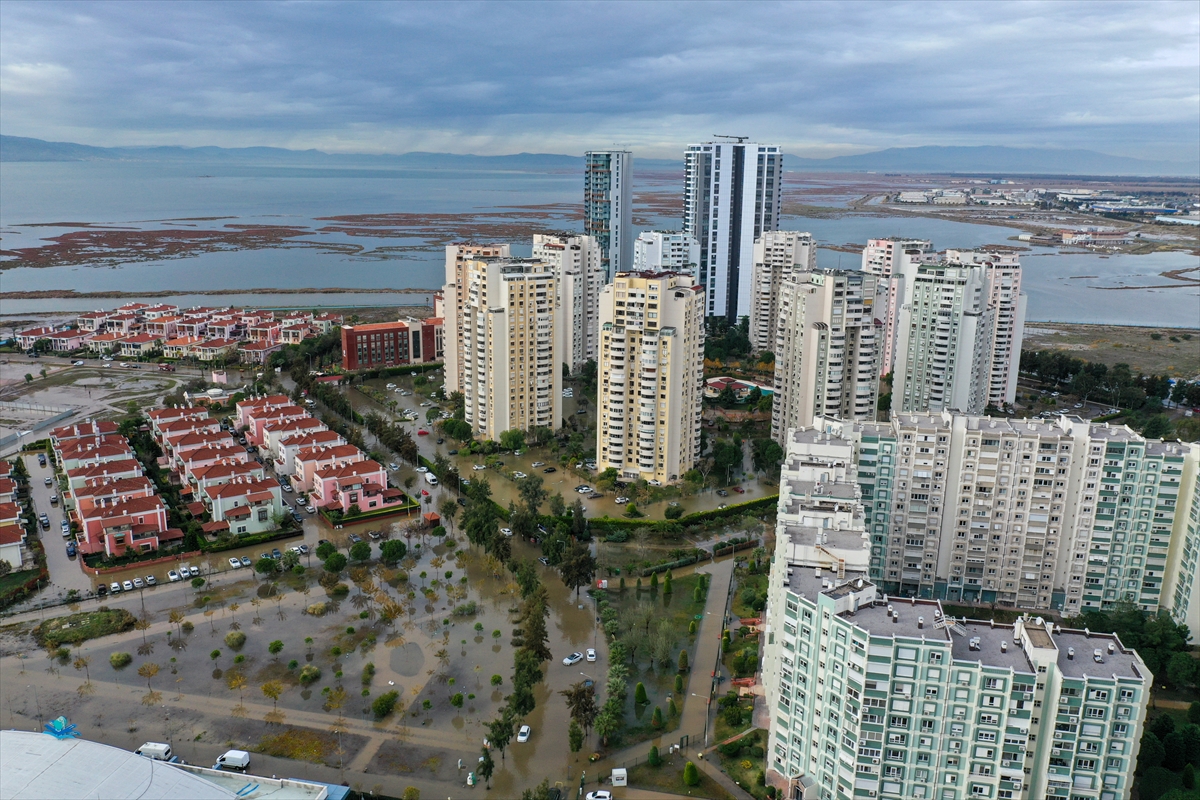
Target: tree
(557, 507)
(581, 702)
(148, 671)
(265, 565)
(486, 768)
(1151, 753)
(432, 414)
(578, 521)
(29, 377)
(1193, 713)
(273, 689)
(639, 694)
(512, 439)
(393, 550)
(411, 793)
(384, 704)
(275, 647)
(448, 509)
(683, 661)
(578, 567)
(82, 662)
(575, 736)
(656, 719)
(533, 494)
(290, 559)
(360, 551)
(335, 563)
(500, 731)
(608, 721)
(691, 775)
(325, 550)
(1157, 427)
(1182, 670)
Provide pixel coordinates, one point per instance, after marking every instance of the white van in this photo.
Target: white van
(233, 759)
(155, 750)
(431, 479)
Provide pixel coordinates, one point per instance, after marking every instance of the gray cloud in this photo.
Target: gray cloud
(820, 78)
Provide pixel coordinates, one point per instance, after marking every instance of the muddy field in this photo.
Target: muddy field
(1112, 344)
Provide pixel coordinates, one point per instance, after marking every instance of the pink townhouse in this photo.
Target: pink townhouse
(285, 457)
(362, 484)
(129, 523)
(309, 464)
(276, 432)
(247, 407)
(109, 470)
(260, 419)
(163, 416)
(247, 506)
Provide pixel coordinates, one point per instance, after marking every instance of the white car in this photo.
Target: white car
(602, 794)
(654, 483)
(151, 580)
(584, 489)
(478, 467)
(114, 588)
(310, 509)
(506, 531)
(622, 501)
(393, 466)
(422, 469)
(519, 475)
(572, 659)
(235, 564)
(537, 464)
(173, 576)
(77, 363)
(194, 571)
(128, 585)
(591, 654)
(523, 734)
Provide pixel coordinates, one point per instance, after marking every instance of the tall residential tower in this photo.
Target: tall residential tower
(608, 206)
(778, 256)
(731, 196)
(651, 368)
(576, 263)
(453, 295)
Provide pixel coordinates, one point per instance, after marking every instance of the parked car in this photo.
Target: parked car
(422, 469)
(600, 794)
(595, 496)
(452, 452)
(303, 548)
(127, 586)
(548, 470)
(591, 654)
(440, 440)
(545, 562)
(275, 553)
(101, 590)
(49, 481)
(374, 535)
(194, 571)
(77, 363)
(173, 576)
(572, 659)
(622, 501)
(519, 475)
(234, 563)
(355, 538)
(506, 531)
(475, 467)
(310, 509)
(739, 490)
(151, 580)
(422, 432)
(393, 466)
(537, 464)
(53, 499)
(523, 733)
(114, 587)
(246, 561)
(722, 493)
(70, 549)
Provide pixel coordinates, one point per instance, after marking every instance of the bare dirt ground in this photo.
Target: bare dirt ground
(1113, 344)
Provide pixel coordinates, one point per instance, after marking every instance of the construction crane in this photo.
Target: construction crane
(740, 139)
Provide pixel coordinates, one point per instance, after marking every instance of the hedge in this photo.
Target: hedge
(389, 372)
(602, 524)
(249, 539)
(683, 562)
(366, 516)
(733, 546)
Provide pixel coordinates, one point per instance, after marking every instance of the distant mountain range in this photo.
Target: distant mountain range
(931, 159)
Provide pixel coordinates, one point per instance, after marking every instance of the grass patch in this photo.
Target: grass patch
(299, 744)
(743, 602)
(743, 762)
(729, 723)
(83, 626)
(16, 585)
(669, 778)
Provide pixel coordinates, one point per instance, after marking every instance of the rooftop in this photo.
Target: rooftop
(995, 643)
(1120, 663)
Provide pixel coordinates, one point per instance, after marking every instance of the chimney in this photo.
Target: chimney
(895, 618)
(1070, 653)
(920, 622)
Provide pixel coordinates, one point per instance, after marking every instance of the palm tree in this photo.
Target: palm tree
(82, 662)
(148, 671)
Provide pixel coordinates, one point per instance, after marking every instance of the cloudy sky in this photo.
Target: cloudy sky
(820, 78)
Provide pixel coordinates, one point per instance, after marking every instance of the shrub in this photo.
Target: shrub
(309, 674)
(274, 647)
(691, 775)
(368, 673)
(497, 680)
(639, 694)
(120, 660)
(187, 627)
(466, 610)
(757, 751)
(293, 664)
(672, 710)
(339, 590)
(683, 660)
(673, 512)
(238, 659)
(384, 704)
(426, 704)
(656, 719)
(678, 684)
(317, 610)
(80, 627)
(479, 626)
(214, 655)
(235, 639)
(456, 700)
(335, 651)
(654, 759)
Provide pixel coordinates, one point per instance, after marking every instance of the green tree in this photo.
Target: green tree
(512, 439)
(639, 694)
(683, 661)
(500, 731)
(384, 704)
(393, 550)
(335, 563)
(1182, 670)
(691, 775)
(673, 512)
(654, 759)
(575, 736)
(275, 647)
(557, 506)
(360, 551)
(533, 494)
(411, 793)
(578, 567)
(325, 550)
(265, 565)
(486, 768)
(581, 703)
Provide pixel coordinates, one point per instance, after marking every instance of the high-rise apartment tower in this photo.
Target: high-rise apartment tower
(731, 196)
(778, 255)
(608, 207)
(576, 263)
(453, 294)
(651, 368)
(666, 251)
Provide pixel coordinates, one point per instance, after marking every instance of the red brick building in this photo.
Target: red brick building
(391, 344)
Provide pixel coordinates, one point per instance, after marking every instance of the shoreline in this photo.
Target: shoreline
(71, 294)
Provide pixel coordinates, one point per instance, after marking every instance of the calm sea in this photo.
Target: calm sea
(144, 195)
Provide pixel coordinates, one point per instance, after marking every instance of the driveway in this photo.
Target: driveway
(64, 571)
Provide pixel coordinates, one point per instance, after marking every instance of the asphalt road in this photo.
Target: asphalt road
(64, 571)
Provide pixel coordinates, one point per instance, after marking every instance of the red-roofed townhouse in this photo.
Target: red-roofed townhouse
(178, 427)
(26, 339)
(295, 334)
(362, 484)
(94, 450)
(249, 506)
(12, 537)
(92, 321)
(193, 460)
(327, 322)
(10, 513)
(8, 490)
(276, 431)
(213, 349)
(181, 443)
(166, 327)
(82, 430)
(287, 448)
(129, 523)
(258, 352)
(266, 331)
(134, 308)
(105, 342)
(159, 311)
(124, 324)
(297, 318)
(125, 468)
(247, 407)
(224, 472)
(141, 344)
(68, 340)
(181, 346)
(228, 328)
(161, 417)
(309, 463)
(258, 420)
(98, 491)
(193, 325)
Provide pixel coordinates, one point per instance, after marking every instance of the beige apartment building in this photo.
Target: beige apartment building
(453, 294)
(577, 265)
(778, 257)
(890, 260)
(651, 368)
(825, 349)
(510, 330)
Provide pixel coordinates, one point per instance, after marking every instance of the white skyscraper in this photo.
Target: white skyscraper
(778, 255)
(666, 251)
(608, 206)
(453, 295)
(891, 260)
(576, 262)
(732, 195)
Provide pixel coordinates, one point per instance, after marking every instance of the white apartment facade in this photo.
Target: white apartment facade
(1182, 586)
(778, 256)
(732, 195)
(892, 260)
(453, 294)
(666, 251)
(577, 265)
(651, 371)
(511, 362)
(608, 207)
(825, 349)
